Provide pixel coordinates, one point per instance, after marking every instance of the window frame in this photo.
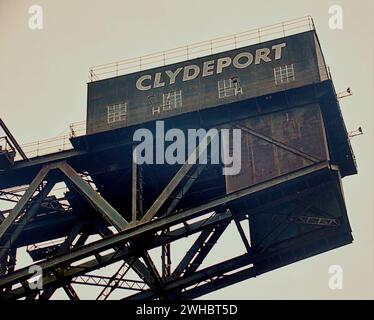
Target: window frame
(116, 112)
(229, 87)
(284, 74)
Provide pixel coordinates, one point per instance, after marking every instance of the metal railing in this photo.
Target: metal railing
(56, 144)
(5, 145)
(46, 146)
(77, 129)
(200, 49)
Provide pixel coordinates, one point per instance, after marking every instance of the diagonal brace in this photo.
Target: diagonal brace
(108, 212)
(199, 250)
(20, 206)
(28, 216)
(279, 144)
(177, 179)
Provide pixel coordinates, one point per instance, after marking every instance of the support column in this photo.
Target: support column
(134, 190)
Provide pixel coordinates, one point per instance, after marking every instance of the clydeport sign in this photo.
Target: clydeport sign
(190, 72)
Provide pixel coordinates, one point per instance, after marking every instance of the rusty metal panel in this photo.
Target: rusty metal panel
(296, 229)
(295, 138)
(144, 95)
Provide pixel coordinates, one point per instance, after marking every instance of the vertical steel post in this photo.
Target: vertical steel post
(134, 187)
(140, 190)
(13, 140)
(166, 258)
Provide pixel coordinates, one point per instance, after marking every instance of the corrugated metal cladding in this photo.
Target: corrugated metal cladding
(205, 82)
(279, 143)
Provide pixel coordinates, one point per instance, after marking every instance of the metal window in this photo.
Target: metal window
(284, 74)
(116, 112)
(172, 100)
(229, 88)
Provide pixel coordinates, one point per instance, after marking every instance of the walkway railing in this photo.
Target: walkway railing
(200, 49)
(56, 144)
(46, 146)
(5, 145)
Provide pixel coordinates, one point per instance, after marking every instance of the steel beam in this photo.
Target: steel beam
(3, 263)
(152, 269)
(157, 225)
(13, 139)
(142, 271)
(125, 253)
(177, 179)
(26, 218)
(167, 192)
(71, 293)
(304, 202)
(217, 283)
(242, 235)
(173, 287)
(103, 281)
(9, 196)
(140, 193)
(184, 189)
(186, 260)
(166, 249)
(47, 294)
(107, 211)
(21, 204)
(279, 144)
(318, 221)
(138, 266)
(9, 264)
(199, 250)
(12, 259)
(134, 190)
(114, 281)
(166, 258)
(196, 262)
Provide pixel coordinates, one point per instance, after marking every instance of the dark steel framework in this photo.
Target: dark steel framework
(130, 244)
(127, 238)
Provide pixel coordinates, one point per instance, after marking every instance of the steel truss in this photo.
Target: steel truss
(131, 241)
(71, 261)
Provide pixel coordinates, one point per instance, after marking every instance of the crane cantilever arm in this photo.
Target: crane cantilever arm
(13, 140)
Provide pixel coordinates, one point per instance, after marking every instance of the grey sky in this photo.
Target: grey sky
(43, 77)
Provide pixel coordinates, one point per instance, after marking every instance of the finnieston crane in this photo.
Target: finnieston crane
(294, 151)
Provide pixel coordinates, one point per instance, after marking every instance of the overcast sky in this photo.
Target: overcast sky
(43, 75)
